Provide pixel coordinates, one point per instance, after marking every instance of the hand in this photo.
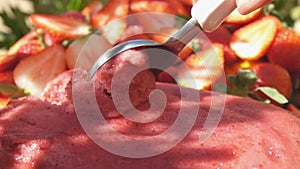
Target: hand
(247, 6)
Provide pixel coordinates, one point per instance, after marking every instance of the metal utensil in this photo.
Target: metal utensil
(207, 16)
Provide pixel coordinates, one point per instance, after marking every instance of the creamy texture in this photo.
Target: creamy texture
(46, 134)
(38, 134)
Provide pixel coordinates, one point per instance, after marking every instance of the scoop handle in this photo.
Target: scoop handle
(210, 14)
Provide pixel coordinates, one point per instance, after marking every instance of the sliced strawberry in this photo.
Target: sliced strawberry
(188, 2)
(114, 31)
(229, 54)
(92, 8)
(50, 39)
(285, 50)
(31, 35)
(137, 6)
(6, 77)
(62, 26)
(221, 36)
(83, 52)
(8, 62)
(75, 14)
(134, 32)
(30, 48)
(252, 41)
(206, 68)
(3, 101)
(178, 7)
(273, 75)
(114, 9)
(162, 6)
(236, 18)
(34, 72)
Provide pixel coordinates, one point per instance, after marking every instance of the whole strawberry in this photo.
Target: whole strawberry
(285, 50)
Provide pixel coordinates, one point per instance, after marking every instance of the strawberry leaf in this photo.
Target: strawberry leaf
(273, 94)
(241, 83)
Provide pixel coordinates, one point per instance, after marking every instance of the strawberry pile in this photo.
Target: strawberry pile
(260, 56)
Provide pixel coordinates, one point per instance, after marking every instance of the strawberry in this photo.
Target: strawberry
(236, 18)
(114, 9)
(162, 6)
(252, 41)
(293, 109)
(7, 62)
(221, 36)
(206, 68)
(83, 52)
(178, 7)
(137, 6)
(25, 46)
(285, 50)
(30, 48)
(50, 40)
(114, 31)
(6, 77)
(67, 26)
(34, 72)
(3, 101)
(92, 8)
(133, 32)
(31, 35)
(188, 2)
(273, 75)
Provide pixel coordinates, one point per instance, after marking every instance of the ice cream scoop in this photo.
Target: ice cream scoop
(206, 15)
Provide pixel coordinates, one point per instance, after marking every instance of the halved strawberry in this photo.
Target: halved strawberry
(137, 6)
(178, 7)
(252, 41)
(83, 52)
(50, 39)
(3, 101)
(34, 72)
(30, 48)
(188, 2)
(7, 62)
(162, 6)
(273, 75)
(285, 50)
(92, 8)
(221, 36)
(206, 68)
(31, 35)
(114, 31)
(65, 26)
(236, 18)
(133, 32)
(6, 77)
(114, 9)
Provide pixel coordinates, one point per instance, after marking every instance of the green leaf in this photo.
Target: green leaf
(12, 91)
(241, 83)
(246, 77)
(273, 94)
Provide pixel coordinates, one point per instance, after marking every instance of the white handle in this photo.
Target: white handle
(211, 13)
